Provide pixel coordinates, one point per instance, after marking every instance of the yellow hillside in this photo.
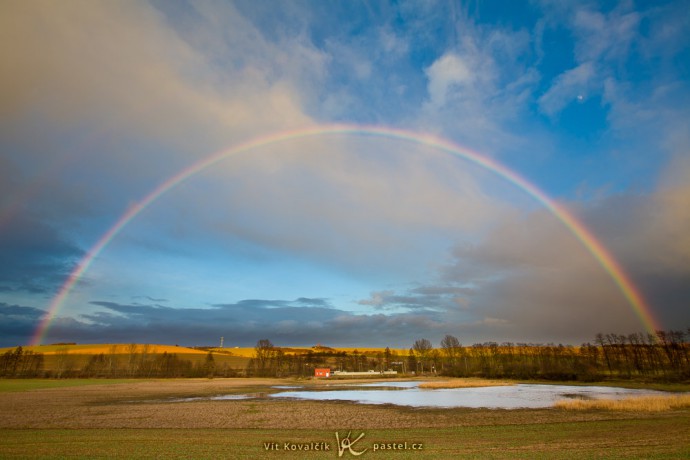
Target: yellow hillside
(116, 348)
(372, 351)
(123, 348)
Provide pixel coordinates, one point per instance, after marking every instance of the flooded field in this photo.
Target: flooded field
(494, 397)
(237, 418)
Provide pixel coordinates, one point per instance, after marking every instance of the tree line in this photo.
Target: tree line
(137, 361)
(661, 356)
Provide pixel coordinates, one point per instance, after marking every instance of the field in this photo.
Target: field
(77, 356)
(141, 419)
(245, 352)
(68, 359)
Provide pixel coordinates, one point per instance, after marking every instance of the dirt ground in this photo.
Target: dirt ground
(151, 404)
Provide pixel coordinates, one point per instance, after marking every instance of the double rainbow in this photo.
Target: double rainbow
(598, 251)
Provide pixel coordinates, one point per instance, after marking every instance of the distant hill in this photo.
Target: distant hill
(246, 352)
(113, 348)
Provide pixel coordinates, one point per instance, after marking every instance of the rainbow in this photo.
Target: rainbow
(598, 251)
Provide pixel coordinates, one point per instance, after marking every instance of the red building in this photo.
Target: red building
(320, 372)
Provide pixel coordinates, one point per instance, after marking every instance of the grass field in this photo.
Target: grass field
(9, 385)
(653, 438)
(140, 419)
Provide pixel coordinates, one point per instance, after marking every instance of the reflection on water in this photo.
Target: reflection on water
(499, 397)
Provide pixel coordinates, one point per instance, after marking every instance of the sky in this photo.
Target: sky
(340, 238)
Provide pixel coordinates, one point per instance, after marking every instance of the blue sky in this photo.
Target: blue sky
(342, 239)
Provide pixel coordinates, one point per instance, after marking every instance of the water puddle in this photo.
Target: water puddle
(214, 398)
(499, 397)
(197, 398)
(529, 396)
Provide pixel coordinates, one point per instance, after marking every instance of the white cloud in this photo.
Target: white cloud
(567, 87)
(479, 90)
(604, 37)
(448, 73)
(377, 299)
(602, 44)
(125, 66)
(350, 202)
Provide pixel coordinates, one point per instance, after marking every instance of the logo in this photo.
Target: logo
(347, 444)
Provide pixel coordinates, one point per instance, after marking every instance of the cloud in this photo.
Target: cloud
(567, 87)
(480, 88)
(126, 67)
(17, 324)
(103, 101)
(36, 258)
(605, 37)
(149, 298)
(349, 203)
(528, 280)
(297, 322)
(535, 276)
(378, 299)
(602, 45)
(447, 73)
(432, 298)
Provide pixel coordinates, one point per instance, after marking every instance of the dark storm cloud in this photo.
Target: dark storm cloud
(533, 280)
(250, 311)
(262, 303)
(650, 237)
(243, 323)
(17, 324)
(669, 296)
(34, 257)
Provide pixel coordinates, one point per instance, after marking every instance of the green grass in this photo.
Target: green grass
(7, 385)
(645, 438)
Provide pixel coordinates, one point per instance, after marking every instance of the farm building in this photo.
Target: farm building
(365, 374)
(322, 372)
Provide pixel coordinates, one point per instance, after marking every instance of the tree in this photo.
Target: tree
(132, 364)
(264, 352)
(387, 359)
(63, 363)
(599, 340)
(411, 361)
(451, 348)
(209, 365)
(422, 347)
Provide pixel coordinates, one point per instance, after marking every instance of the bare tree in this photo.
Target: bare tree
(264, 352)
(422, 347)
(451, 348)
(64, 364)
(209, 365)
(132, 358)
(411, 361)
